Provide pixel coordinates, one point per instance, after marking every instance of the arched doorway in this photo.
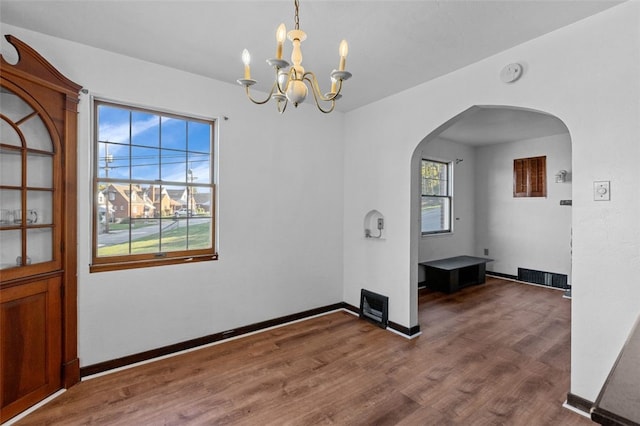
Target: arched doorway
(480, 146)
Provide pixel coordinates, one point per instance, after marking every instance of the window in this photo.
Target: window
(153, 188)
(436, 197)
(530, 177)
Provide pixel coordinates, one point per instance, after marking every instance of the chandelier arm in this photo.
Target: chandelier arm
(316, 94)
(260, 102)
(277, 83)
(286, 102)
(338, 90)
(315, 88)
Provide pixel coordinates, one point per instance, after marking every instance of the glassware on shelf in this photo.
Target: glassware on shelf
(6, 217)
(31, 216)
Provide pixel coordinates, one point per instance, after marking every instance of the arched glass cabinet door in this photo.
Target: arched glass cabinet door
(27, 186)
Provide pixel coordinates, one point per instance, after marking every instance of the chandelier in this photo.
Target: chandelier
(290, 83)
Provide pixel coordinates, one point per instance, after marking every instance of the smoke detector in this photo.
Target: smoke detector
(511, 73)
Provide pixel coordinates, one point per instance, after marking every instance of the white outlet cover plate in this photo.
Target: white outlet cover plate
(601, 191)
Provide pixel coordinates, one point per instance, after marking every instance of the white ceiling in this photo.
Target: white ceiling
(488, 125)
(393, 45)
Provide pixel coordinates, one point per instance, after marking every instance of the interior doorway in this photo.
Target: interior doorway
(480, 145)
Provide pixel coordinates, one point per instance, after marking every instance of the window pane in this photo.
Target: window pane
(199, 137)
(174, 165)
(114, 124)
(203, 201)
(39, 170)
(39, 245)
(13, 106)
(10, 167)
(144, 163)
(8, 134)
(40, 206)
(36, 134)
(174, 235)
(10, 248)
(145, 129)
(113, 161)
(435, 214)
(199, 168)
(174, 133)
(434, 178)
(199, 234)
(10, 200)
(145, 235)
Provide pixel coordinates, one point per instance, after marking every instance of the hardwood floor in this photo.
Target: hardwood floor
(495, 354)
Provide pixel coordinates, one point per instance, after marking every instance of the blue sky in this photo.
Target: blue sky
(154, 140)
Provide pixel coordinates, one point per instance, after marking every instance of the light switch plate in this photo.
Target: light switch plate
(601, 191)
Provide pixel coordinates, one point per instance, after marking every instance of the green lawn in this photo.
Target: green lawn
(199, 237)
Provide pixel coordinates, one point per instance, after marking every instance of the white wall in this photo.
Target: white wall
(280, 211)
(533, 233)
(586, 75)
(461, 240)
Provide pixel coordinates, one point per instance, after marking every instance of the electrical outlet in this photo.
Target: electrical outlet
(380, 223)
(486, 252)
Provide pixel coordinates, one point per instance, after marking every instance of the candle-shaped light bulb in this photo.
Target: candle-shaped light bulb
(246, 59)
(344, 50)
(281, 34)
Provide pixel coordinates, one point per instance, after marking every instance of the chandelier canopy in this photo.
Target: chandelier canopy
(290, 83)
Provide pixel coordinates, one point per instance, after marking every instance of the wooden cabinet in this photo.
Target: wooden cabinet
(38, 286)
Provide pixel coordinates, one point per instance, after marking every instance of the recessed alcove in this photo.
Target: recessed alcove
(374, 225)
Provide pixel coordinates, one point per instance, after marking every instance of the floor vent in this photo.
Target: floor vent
(549, 279)
(374, 308)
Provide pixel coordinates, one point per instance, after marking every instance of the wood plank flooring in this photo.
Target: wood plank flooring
(495, 354)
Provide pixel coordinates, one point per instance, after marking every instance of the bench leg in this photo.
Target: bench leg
(482, 273)
(454, 281)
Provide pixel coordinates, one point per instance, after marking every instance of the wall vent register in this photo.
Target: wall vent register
(374, 308)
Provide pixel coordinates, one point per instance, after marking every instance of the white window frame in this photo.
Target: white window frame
(447, 197)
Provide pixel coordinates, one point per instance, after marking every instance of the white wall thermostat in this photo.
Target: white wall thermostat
(511, 73)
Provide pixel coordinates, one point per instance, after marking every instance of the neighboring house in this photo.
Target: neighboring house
(104, 205)
(202, 202)
(183, 197)
(153, 201)
(128, 202)
(161, 200)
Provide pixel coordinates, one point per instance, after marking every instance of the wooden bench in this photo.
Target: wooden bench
(453, 273)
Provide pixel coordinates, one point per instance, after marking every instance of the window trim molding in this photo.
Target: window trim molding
(112, 263)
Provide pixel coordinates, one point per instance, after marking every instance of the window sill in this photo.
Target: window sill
(103, 267)
(437, 234)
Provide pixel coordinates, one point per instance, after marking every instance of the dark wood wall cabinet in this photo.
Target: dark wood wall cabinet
(530, 177)
(38, 265)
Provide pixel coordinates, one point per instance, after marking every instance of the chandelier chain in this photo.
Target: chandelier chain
(297, 19)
